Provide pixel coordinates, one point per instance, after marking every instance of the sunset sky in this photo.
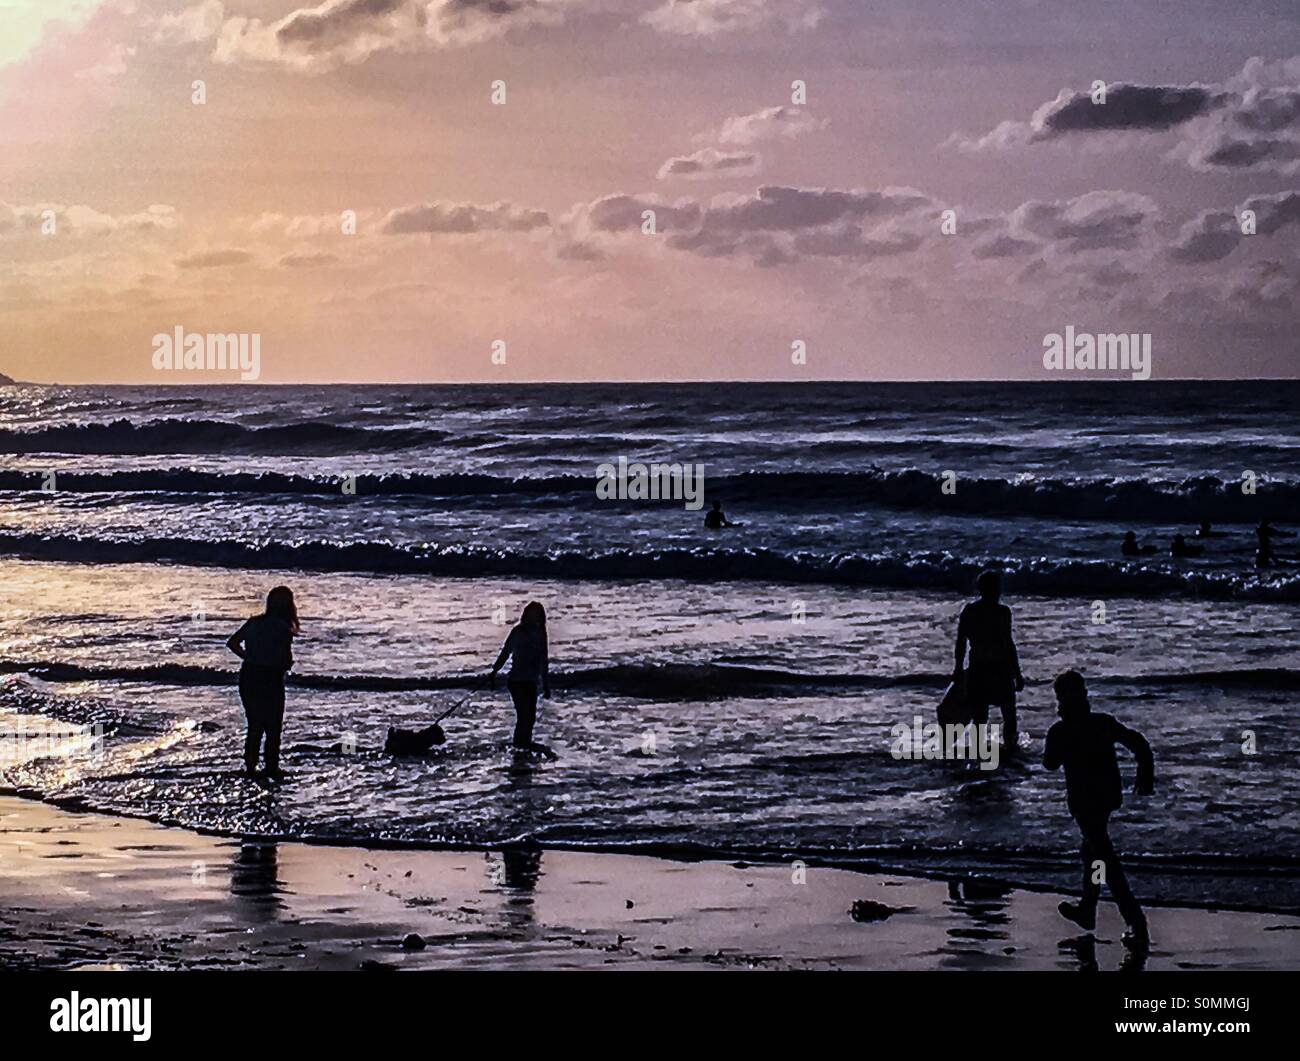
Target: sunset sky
(777, 219)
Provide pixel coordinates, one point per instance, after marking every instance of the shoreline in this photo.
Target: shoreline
(83, 890)
(988, 875)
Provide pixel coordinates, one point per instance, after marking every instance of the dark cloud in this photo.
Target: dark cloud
(710, 162)
(214, 259)
(1208, 237)
(306, 260)
(1003, 245)
(443, 218)
(337, 32)
(1100, 220)
(327, 25)
(1127, 107)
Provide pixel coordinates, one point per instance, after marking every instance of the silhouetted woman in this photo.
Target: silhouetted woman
(265, 644)
(526, 649)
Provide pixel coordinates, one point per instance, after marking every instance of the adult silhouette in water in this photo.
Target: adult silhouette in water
(265, 644)
(1265, 533)
(526, 649)
(716, 519)
(1181, 549)
(993, 677)
(1132, 548)
(1083, 741)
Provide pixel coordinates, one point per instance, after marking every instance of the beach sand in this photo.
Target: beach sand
(81, 890)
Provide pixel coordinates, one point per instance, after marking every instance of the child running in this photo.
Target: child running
(1084, 742)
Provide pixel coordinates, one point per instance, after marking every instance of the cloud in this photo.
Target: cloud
(1127, 108)
(306, 226)
(472, 21)
(444, 218)
(114, 65)
(1214, 234)
(78, 220)
(1249, 123)
(1003, 245)
(772, 123)
(625, 213)
(214, 259)
(706, 18)
(710, 162)
(1102, 220)
(1208, 237)
(341, 32)
(202, 22)
(307, 260)
(319, 38)
(772, 225)
(1258, 129)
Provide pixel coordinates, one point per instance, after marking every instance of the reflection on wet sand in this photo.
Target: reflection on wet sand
(255, 880)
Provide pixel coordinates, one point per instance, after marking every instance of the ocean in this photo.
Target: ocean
(721, 694)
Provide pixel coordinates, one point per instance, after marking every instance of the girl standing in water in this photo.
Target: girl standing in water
(265, 644)
(526, 649)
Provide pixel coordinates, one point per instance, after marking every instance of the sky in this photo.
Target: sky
(398, 190)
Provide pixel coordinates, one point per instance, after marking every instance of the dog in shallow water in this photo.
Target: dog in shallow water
(413, 741)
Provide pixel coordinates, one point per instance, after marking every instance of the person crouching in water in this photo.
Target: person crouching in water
(526, 649)
(265, 644)
(993, 677)
(1084, 742)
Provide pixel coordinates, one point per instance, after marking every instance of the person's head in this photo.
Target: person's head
(280, 603)
(1071, 694)
(1179, 539)
(717, 506)
(533, 615)
(1130, 537)
(1205, 525)
(989, 585)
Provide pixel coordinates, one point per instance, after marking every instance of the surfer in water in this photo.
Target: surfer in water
(1132, 548)
(1084, 743)
(993, 677)
(526, 649)
(716, 519)
(265, 644)
(1265, 533)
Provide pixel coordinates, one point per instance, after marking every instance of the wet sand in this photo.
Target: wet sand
(82, 890)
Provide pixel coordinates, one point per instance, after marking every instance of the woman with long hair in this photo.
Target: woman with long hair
(527, 650)
(265, 644)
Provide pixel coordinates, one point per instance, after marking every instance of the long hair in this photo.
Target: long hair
(280, 604)
(535, 615)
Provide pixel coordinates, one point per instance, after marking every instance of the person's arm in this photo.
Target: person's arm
(236, 642)
(961, 645)
(1052, 757)
(1015, 655)
(546, 671)
(1146, 763)
(506, 649)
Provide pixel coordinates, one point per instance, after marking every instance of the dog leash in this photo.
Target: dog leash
(458, 704)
